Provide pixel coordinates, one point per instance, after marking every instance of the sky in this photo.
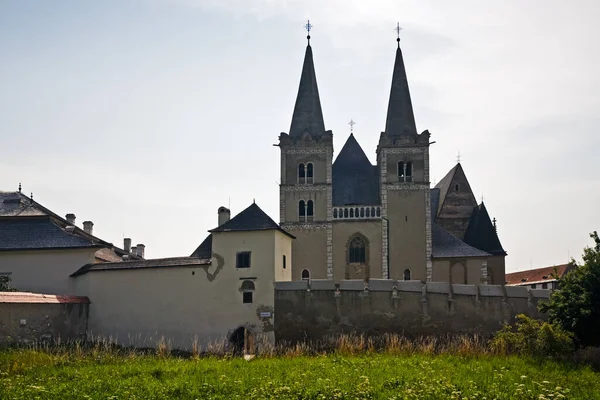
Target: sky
(145, 116)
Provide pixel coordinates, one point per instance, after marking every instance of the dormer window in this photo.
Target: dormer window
(305, 173)
(305, 210)
(405, 171)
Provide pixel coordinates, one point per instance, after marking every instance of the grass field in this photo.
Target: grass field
(38, 374)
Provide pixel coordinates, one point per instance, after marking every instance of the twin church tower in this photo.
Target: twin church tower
(355, 220)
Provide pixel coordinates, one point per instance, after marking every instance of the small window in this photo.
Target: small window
(309, 173)
(544, 286)
(305, 274)
(243, 259)
(302, 210)
(407, 274)
(533, 286)
(401, 170)
(309, 210)
(335, 213)
(247, 297)
(284, 262)
(408, 173)
(457, 187)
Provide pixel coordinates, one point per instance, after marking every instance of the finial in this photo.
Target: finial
(31, 196)
(351, 123)
(458, 157)
(398, 29)
(482, 197)
(253, 201)
(308, 27)
(19, 187)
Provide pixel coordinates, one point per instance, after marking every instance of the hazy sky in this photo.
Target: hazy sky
(145, 116)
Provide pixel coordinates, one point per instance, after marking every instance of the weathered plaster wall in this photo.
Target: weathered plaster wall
(342, 232)
(33, 322)
(412, 309)
(44, 271)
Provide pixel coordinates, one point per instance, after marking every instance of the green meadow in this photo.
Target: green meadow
(39, 374)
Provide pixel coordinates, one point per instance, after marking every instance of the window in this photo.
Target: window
(309, 173)
(243, 259)
(247, 289)
(401, 171)
(301, 173)
(309, 210)
(302, 210)
(409, 171)
(305, 210)
(305, 274)
(284, 262)
(357, 252)
(544, 286)
(407, 274)
(456, 187)
(405, 171)
(533, 286)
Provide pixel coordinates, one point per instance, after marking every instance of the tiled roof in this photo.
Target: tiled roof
(205, 248)
(538, 275)
(26, 297)
(446, 245)
(355, 179)
(142, 264)
(308, 116)
(107, 255)
(481, 232)
(38, 232)
(443, 186)
(251, 219)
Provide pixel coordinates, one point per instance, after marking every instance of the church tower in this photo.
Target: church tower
(403, 164)
(306, 182)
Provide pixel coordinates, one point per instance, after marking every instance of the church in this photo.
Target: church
(355, 220)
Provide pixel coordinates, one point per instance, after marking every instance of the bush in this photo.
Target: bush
(533, 337)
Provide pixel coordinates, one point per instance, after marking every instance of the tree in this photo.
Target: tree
(575, 306)
(5, 284)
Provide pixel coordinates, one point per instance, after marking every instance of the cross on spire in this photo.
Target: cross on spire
(351, 123)
(458, 157)
(398, 29)
(308, 27)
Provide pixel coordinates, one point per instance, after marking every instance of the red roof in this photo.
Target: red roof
(26, 297)
(538, 275)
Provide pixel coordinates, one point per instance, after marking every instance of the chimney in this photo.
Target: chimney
(70, 218)
(224, 215)
(127, 245)
(140, 250)
(134, 250)
(88, 227)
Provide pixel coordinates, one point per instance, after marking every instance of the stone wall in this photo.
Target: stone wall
(29, 318)
(315, 310)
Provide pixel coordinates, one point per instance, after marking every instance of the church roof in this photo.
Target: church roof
(444, 185)
(481, 232)
(355, 179)
(400, 117)
(308, 116)
(141, 264)
(251, 219)
(446, 245)
(39, 232)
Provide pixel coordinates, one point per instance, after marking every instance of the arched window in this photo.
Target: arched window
(456, 187)
(302, 211)
(305, 275)
(301, 173)
(247, 288)
(368, 212)
(335, 213)
(408, 172)
(357, 251)
(345, 213)
(362, 212)
(407, 274)
(352, 213)
(401, 171)
(309, 210)
(309, 173)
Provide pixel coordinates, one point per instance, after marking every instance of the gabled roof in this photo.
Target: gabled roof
(355, 179)
(308, 116)
(173, 262)
(446, 245)
(38, 232)
(538, 275)
(205, 248)
(400, 117)
(481, 233)
(251, 219)
(444, 185)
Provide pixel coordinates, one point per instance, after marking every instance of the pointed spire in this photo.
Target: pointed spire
(400, 118)
(308, 116)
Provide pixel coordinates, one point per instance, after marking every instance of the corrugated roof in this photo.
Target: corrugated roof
(355, 179)
(538, 275)
(26, 297)
(38, 232)
(251, 219)
(446, 245)
(173, 262)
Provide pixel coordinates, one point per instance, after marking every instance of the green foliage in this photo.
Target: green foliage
(5, 284)
(534, 338)
(576, 305)
(86, 374)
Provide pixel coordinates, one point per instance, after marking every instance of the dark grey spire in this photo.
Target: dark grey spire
(400, 118)
(308, 116)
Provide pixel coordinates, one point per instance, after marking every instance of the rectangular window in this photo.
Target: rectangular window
(544, 286)
(243, 259)
(247, 297)
(533, 286)
(284, 260)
